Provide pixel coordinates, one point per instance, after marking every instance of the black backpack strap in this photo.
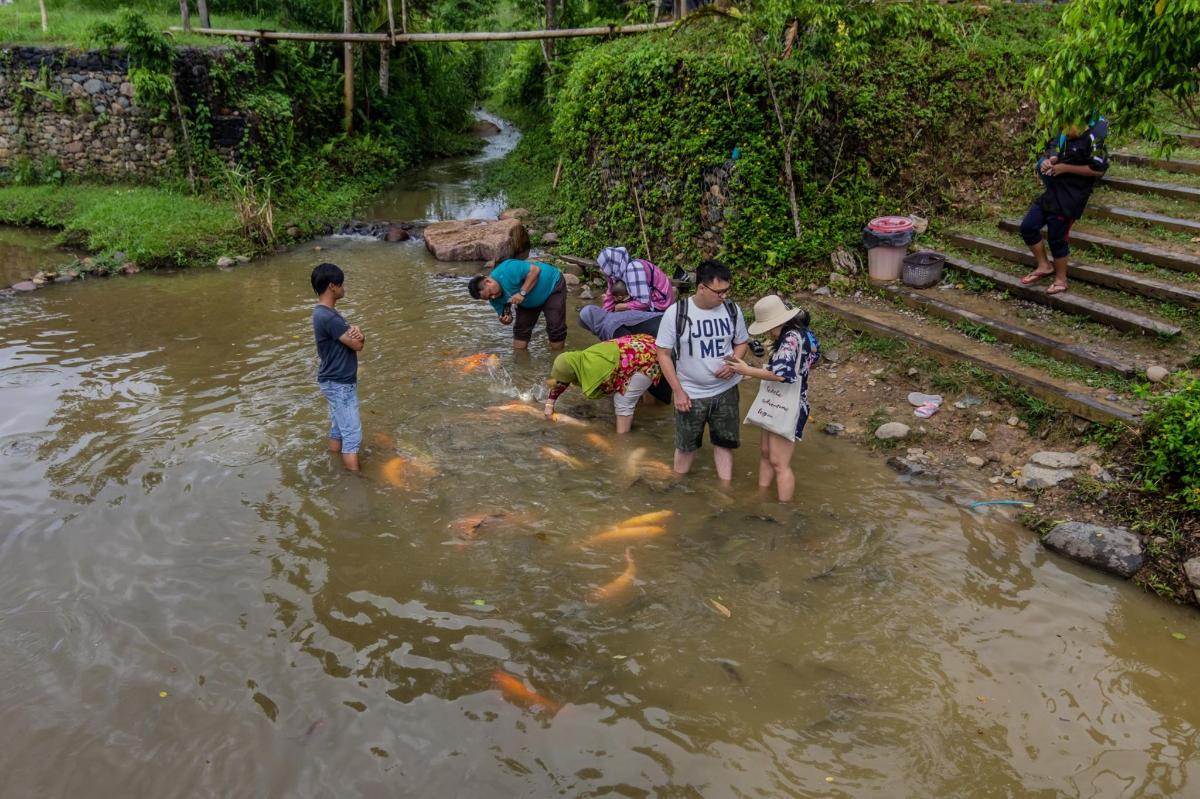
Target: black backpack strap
(681, 324)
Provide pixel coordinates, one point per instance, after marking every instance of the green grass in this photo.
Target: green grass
(152, 226)
(1073, 371)
(70, 25)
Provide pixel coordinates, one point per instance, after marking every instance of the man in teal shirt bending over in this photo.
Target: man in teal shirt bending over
(532, 289)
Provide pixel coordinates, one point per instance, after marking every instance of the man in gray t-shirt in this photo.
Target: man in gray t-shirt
(705, 389)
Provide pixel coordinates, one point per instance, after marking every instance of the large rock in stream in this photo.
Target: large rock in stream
(1113, 549)
(476, 239)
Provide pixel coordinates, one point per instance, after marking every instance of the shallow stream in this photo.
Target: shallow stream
(195, 600)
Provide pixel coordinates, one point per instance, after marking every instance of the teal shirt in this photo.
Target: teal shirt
(511, 274)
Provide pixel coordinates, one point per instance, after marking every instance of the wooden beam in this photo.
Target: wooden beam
(1010, 333)
(1068, 301)
(1188, 139)
(348, 68)
(1172, 190)
(1147, 254)
(1088, 273)
(1077, 402)
(1169, 164)
(466, 36)
(1144, 218)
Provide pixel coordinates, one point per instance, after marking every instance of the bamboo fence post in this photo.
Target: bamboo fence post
(45, 22)
(348, 67)
(385, 55)
(186, 15)
(404, 16)
(202, 8)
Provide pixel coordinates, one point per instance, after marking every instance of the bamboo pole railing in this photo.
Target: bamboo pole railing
(465, 36)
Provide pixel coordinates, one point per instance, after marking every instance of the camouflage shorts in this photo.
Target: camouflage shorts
(722, 415)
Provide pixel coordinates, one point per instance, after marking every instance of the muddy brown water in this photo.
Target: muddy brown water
(196, 601)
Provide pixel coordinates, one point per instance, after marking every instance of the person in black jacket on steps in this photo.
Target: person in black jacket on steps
(1074, 162)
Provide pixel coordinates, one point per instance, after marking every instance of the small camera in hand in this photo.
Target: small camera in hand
(757, 347)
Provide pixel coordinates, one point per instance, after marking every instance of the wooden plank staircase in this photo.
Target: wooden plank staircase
(1105, 293)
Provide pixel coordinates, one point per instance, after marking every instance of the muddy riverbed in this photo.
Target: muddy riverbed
(196, 601)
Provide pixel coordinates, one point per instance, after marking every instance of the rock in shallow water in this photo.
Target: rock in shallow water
(476, 240)
(1113, 549)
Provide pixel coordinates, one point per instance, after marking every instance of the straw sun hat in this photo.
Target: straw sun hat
(769, 313)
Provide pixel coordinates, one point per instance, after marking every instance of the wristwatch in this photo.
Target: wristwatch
(515, 293)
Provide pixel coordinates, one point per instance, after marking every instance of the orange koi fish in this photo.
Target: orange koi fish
(647, 518)
(599, 442)
(626, 534)
(514, 690)
(561, 457)
(656, 471)
(469, 527)
(382, 441)
(519, 407)
(400, 471)
(618, 589)
(471, 363)
(569, 421)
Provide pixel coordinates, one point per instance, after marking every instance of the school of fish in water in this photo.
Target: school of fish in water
(409, 471)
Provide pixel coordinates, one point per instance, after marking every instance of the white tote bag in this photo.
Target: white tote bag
(776, 408)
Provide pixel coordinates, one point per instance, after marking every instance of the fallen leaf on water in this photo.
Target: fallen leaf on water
(478, 602)
(1178, 636)
(829, 779)
(162, 694)
(718, 607)
(619, 657)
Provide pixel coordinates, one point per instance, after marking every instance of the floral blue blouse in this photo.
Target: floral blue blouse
(795, 354)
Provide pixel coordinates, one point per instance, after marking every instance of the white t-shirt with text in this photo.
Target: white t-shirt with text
(709, 337)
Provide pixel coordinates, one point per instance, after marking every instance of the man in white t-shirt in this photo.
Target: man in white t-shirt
(693, 362)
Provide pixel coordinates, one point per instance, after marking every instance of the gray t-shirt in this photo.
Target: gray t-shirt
(709, 337)
(339, 363)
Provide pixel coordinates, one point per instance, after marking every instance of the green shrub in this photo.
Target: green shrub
(1171, 445)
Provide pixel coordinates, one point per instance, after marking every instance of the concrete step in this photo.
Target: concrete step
(1069, 301)
(1130, 216)
(1089, 273)
(1172, 190)
(951, 347)
(1146, 253)
(1013, 334)
(1167, 164)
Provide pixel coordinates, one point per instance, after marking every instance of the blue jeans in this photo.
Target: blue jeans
(343, 414)
(1058, 228)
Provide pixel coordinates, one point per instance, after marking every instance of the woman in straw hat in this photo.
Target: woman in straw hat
(781, 411)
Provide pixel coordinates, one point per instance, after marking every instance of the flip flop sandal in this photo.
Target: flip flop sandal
(1034, 277)
(927, 410)
(1056, 288)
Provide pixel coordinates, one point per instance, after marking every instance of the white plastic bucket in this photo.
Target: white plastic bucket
(885, 264)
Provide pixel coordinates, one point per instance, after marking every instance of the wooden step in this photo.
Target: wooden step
(1172, 190)
(1146, 253)
(954, 347)
(1068, 301)
(1188, 139)
(1130, 216)
(1088, 273)
(1012, 334)
(1168, 164)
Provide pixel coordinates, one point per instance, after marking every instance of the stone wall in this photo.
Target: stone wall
(77, 109)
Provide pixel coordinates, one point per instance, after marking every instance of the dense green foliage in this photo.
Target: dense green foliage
(899, 107)
(1171, 445)
(1121, 57)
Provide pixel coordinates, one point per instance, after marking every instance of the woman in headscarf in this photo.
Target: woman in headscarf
(626, 368)
(617, 266)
